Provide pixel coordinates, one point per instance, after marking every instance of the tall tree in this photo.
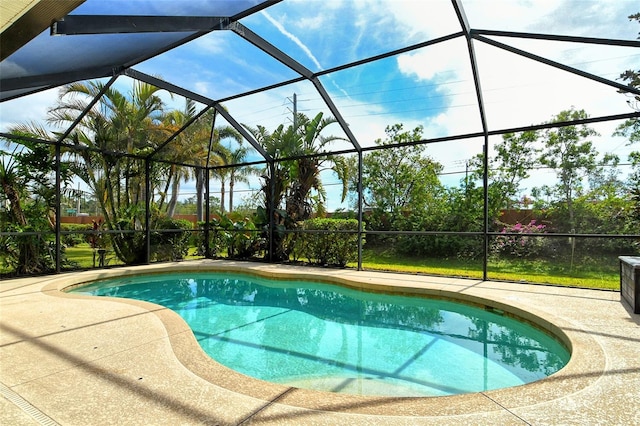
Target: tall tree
(297, 177)
(118, 126)
(631, 130)
(192, 146)
(208, 146)
(307, 142)
(224, 157)
(515, 156)
(238, 174)
(400, 179)
(27, 183)
(289, 183)
(189, 147)
(276, 180)
(572, 156)
(275, 143)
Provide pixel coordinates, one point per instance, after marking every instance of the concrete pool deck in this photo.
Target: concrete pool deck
(77, 360)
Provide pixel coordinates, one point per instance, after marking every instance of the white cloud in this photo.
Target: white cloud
(31, 108)
(530, 92)
(202, 87)
(517, 91)
(293, 38)
(508, 15)
(210, 45)
(439, 60)
(311, 23)
(448, 68)
(427, 18)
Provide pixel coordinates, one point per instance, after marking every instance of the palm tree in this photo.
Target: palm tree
(238, 174)
(276, 144)
(221, 173)
(224, 157)
(12, 182)
(200, 134)
(11, 186)
(291, 181)
(117, 127)
(294, 179)
(306, 171)
(189, 146)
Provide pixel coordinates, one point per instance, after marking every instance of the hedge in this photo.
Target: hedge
(333, 246)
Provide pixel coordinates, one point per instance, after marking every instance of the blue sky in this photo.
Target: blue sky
(431, 87)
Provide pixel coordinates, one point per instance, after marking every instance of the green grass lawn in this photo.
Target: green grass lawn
(82, 256)
(389, 261)
(602, 273)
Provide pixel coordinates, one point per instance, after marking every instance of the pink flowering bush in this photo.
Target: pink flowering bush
(524, 245)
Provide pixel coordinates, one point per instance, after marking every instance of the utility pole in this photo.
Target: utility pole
(78, 202)
(295, 110)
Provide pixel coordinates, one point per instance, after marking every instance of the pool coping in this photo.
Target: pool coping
(586, 351)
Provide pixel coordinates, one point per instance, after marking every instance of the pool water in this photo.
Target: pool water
(326, 337)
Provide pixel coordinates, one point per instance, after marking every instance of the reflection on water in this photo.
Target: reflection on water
(332, 338)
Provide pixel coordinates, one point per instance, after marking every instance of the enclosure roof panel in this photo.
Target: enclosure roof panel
(455, 67)
(199, 67)
(49, 61)
(343, 32)
(587, 18)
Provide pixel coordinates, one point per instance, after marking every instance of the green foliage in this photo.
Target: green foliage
(439, 245)
(465, 208)
(27, 184)
(170, 239)
(202, 244)
(400, 185)
(522, 245)
(27, 254)
(241, 236)
(333, 245)
(282, 241)
(234, 233)
(457, 210)
(567, 151)
(634, 191)
(130, 245)
(74, 234)
(515, 156)
(401, 179)
(292, 188)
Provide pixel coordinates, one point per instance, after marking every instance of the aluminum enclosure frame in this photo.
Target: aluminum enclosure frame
(82, 24)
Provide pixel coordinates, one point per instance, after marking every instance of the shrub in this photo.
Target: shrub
(333, 247)
(439, 246)
(241, 236)
(525, 245)
(75, 238)
(173, 243)
(216, 238)
(234, 233)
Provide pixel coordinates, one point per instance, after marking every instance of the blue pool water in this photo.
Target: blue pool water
(327, 337)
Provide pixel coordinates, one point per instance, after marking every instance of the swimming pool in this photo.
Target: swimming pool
(327, 337)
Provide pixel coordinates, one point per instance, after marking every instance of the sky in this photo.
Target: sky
(430, 87)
